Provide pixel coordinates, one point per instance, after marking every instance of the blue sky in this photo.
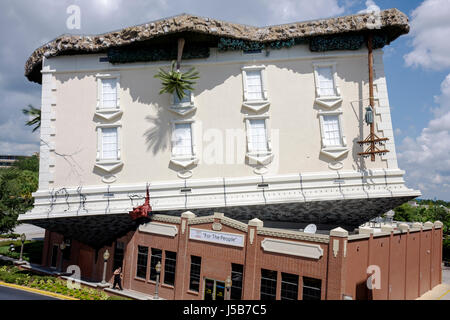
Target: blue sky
(417, 65)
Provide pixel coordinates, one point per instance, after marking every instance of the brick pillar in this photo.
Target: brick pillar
(251, 283)
(45, 249)
(438, 227)
(183, 261)
(404, 228)
(337, 264)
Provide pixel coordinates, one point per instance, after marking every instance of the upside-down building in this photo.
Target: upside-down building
(286, 126)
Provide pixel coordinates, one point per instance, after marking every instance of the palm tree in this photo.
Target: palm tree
(35, 115)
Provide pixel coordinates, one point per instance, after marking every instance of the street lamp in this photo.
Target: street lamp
(158, 270)
(62, 246)
(228, 284)
(23, 237)
(105, 259)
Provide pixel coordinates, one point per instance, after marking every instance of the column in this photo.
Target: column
(182, 270)
(337, 265)
(251, 283)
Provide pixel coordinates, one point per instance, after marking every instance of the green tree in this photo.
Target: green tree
(35, 115)
(28, 163)
(16, 187)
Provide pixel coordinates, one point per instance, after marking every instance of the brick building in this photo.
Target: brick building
(198, 254)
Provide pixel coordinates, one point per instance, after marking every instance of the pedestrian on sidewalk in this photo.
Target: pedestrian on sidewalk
(118, 278)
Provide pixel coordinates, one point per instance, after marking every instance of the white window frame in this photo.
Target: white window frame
(107, 113)
(327, 101)
(184, 161)
(259, 157)
(333, 151)
(108, 164)
(255, 105)
(182, 108)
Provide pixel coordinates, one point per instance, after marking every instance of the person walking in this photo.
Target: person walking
(118, 278)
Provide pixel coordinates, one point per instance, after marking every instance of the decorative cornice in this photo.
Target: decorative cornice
(297, 235)
(392, 23)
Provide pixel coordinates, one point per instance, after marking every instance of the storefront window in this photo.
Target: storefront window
(237, 272)
(156, 256)
(268, 284)
(194, 281)
(311, 288)
(169, 267)
(289, 286)
(142, 259)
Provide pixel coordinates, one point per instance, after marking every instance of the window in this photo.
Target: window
(142, 258)
(257, 136)
(194, 280)
(268, 284)
(156, 257)
(108, 85)
(331, 130)
(254, 85)
(109, 144)
(334, 142)
(289, 286)
(311, 288)
(255, 88)
(237, 273)
(169, 267)
(182, 140)
(67, 250)
(118, 254)
(258, 140)
(109, 94)
(326, 81)
(327, 91)
(186, 99)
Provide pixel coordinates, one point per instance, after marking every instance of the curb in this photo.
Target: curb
(45, 293)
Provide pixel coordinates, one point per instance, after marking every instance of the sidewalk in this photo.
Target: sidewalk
(98, 285)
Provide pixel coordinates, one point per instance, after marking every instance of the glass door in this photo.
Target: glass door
(214, 290)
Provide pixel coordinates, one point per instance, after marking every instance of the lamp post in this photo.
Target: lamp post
(62, 246)
(228, 284)
(158, 270)
(105, 262)
(23, 237)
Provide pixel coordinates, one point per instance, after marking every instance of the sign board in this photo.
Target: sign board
(231, 239)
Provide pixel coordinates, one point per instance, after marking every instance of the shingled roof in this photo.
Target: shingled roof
(394, 23)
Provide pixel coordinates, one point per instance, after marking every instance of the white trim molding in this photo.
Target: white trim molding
(109, 165)
(327, 101)
(107, 113)
(338, 151)
(293, 248)
(259, 104)
(159, 228)
(188, 160)
(257, 157)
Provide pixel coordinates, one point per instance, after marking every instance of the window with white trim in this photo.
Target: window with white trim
(325, 81)
(255, 87)
(109, 93)
(259, 146)
(110, 143)
(108, 147)
(185, 100)
(331, 130)
(327, 91)
(182, 140)
(334, 142)
(257, 136)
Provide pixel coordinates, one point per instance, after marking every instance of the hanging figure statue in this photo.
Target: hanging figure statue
(369, 115)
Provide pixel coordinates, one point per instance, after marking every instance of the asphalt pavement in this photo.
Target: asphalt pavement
(7, 293)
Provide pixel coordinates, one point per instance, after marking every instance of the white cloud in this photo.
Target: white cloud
(371, 6)
(426, 158)
(430, 30)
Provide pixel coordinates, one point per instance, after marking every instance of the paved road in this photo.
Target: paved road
(7, 293)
